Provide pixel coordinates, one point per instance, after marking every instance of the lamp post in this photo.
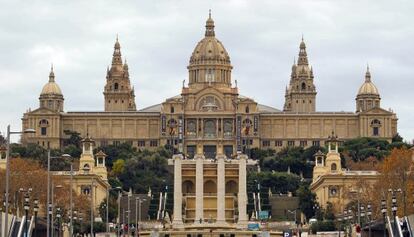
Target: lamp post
(107, 205)
(48, 201)
(394, 206)
(369, 214)
(92, 207)
(75, 218)
(350, 217)
(129, 211)
(58, 216)
(362, 218)
(26, 131)
(26, 210)
(52, 207)
(80, 222)
(119, 214)
(384, 213)
(35, 209)
(138, 201)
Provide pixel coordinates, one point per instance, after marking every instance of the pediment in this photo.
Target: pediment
(43, 111)
(376, 111)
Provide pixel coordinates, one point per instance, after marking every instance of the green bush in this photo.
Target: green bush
(327, 225)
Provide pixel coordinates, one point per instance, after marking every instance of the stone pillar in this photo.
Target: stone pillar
(242, 197)
(199, 188)
(178, 193)
(221, 190)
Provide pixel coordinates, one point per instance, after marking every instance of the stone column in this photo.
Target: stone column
(221, 189)
(242, 197)
(199, 188)
(178, 194)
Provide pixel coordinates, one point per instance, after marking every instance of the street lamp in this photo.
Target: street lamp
(35, 209)
(26, 131)
(369, 214)
(139, 201)
(384, 213)
(394, 206)
(80, 222)
(107, 205)
(50, 203)
(75, 218)
(26, 210)
(52, 207)
(58, 216)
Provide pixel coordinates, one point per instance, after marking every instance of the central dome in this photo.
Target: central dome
(209, 50)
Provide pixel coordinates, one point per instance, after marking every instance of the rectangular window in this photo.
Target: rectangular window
(43, 131)
(266, 143)
(291, 143)
(303, 143)
(278, 143)
(141, 143)
(129, 142)
(316, 143)
(153, 143)
(116, 143)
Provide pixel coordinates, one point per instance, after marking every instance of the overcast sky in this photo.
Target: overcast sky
(157, 38)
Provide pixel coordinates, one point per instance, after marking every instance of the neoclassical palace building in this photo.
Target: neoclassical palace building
(210, 111)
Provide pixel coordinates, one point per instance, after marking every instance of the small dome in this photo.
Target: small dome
(51, 88)
(368, 88)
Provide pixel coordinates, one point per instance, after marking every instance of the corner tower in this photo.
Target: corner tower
(209, 63)
(301, 93)
(119, 96)
(368, 96)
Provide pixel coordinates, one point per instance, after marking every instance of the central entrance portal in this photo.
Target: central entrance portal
(210, 151)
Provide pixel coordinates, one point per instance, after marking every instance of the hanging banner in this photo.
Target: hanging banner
(255, 124)
(180, 134)
(238, 133)
(163, 124)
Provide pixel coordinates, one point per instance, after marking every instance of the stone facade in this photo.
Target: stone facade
(333, 184)
(210, 113)
(92, 177)
(210, 191)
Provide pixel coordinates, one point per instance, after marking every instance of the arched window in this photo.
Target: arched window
(43, 127)
(188, 187)
(172, 109)
(232, 187)
(210, 128)
(247, 109)
(375, 124)
(116, 86)
(333, 167)
(303, 86)
(210, 187)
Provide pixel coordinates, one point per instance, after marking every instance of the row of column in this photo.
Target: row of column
(199, 211)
